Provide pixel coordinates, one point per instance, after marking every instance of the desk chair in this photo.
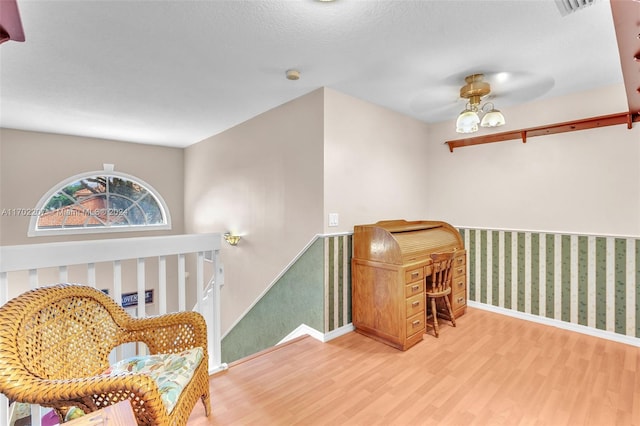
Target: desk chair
(438, 288)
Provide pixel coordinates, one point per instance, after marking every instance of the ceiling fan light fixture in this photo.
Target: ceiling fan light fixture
(492, 118)
(467, 121)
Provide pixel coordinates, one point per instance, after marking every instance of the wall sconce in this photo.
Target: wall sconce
(231, 239)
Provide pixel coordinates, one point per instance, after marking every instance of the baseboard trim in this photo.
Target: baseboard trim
(301, 330)
(603, 334)
(219, 369)
(304, 329)
(348, 328)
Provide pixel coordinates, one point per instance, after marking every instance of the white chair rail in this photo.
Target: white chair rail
(165, 265)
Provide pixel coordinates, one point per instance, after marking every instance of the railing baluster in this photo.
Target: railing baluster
(33, 278)
(117, 281)
(91, 274)
(141, 301)
(117, 294)
(4, 410)
(36, 415)
(4, 288)
(63, 274)
(181, 283)
(215, 357)
(200, 280)
(162, 285)
(141, 283)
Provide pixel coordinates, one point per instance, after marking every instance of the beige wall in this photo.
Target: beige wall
(262, 180)
(583, 182)
(31, 163)
(275, 178)
(375, 163)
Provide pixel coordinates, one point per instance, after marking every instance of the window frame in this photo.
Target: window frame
(59, 187)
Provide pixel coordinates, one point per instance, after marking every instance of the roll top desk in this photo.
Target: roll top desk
(389, 267)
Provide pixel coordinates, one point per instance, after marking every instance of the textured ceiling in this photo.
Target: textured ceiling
(176, 72)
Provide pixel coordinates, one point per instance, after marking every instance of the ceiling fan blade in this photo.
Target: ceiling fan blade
(435, 99)
(517, 87)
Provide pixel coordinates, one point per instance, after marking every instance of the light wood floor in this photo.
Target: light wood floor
(490, 370)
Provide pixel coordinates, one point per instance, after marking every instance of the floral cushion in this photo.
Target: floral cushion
(171, 372)
(73, 413)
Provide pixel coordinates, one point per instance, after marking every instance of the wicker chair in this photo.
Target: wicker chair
(55, 342)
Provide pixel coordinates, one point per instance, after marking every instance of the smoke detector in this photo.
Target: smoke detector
(293, 74)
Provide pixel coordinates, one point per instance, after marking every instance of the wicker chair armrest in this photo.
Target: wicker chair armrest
(170, 333)
(55, 393)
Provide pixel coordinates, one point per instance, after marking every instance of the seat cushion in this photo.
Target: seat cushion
(171, 372)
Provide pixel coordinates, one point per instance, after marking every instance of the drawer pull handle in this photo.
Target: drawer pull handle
(415, 287)
(460, 299)
(415, 323)
(460, 270)
(416, 303)
(415, 274)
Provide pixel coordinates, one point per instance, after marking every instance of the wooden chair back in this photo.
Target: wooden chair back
(441, 273)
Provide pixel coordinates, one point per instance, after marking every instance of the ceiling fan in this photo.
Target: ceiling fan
(479, 90)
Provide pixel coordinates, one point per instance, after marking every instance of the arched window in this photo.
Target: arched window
(103, 201)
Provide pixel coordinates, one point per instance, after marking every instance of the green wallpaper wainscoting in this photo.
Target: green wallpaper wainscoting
(337, 282)
(591, 281)
(315, 291)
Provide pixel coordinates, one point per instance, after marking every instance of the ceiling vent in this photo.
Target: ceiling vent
(568, 6)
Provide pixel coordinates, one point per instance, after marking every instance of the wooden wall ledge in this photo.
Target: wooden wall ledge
(568, 126)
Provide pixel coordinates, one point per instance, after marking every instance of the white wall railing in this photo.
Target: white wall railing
(164, 264)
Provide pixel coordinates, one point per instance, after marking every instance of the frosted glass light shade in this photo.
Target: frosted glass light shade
(493, 118)
(467, 122)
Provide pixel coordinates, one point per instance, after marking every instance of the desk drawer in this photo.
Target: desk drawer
(459, 259)
(412, 289)
(459, 284)
(459, 271)
(413, 275)
(459, 301)
(415, 324)
(415, 304)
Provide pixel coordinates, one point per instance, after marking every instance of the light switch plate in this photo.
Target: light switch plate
(333, 219)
